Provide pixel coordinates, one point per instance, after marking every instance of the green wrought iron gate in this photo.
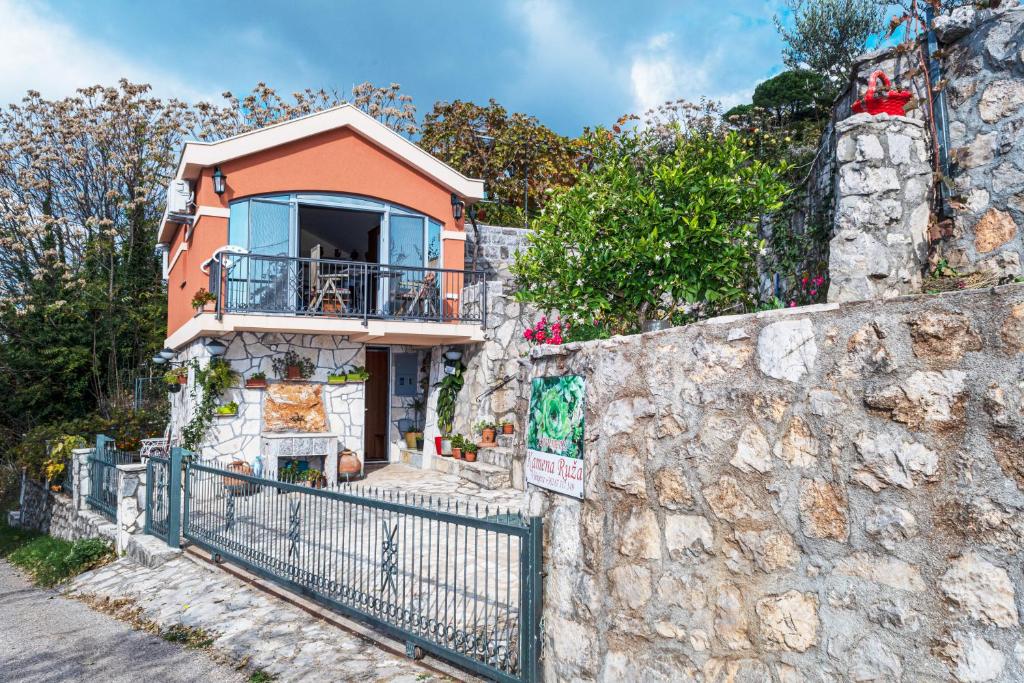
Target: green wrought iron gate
(460, 581)
(163, 497)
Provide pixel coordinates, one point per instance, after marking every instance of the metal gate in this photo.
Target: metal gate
(457, 580)
(163, 496)
(103, 479)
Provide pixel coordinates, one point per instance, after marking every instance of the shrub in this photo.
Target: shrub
(664, 226)
(48, 560)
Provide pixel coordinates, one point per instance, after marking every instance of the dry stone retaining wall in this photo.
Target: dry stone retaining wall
(832, 493)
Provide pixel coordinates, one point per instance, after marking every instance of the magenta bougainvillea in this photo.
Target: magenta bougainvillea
(547, 332)
(812, 291)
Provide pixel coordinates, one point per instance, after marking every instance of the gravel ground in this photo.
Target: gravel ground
(47, 637)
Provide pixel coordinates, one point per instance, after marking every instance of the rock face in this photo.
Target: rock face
(880, 241)
(849, 511)
(993, 230)
(294, 408)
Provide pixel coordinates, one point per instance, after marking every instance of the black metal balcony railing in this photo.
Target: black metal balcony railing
(251, 283)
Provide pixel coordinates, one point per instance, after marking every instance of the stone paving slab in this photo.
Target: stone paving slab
(400, 477)
(252, 626)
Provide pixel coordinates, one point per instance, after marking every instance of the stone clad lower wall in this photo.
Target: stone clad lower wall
(55, 514)
(827, 493)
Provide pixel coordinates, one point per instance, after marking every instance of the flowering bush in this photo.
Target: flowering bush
(811, 291)
(545, 332)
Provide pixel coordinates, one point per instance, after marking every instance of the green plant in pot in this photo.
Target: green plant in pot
(338, 375)
(507, 427)
(227, 410)
(316, 478)
(357, 374)
(469, 450)
(257, 380)
(292, 366)
(201, 299)
(176, 376)
(487, 429)
(458, 444)
(414, 437)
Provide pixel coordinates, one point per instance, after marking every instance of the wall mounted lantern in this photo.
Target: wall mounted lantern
(219, 181)
(456, 206)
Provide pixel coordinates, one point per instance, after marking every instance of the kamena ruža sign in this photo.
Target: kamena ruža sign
(554, 434)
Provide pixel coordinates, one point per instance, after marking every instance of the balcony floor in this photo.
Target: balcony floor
(407, 332)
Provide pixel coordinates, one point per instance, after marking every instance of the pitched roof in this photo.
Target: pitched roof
(198, 155)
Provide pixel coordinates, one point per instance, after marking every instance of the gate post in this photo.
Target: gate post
(174, 498)
(531, 555)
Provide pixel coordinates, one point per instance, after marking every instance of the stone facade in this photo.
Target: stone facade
(56, 514)
(498, 248)
(131, 504)
(247, 352)
(880, 242)
(829, 493)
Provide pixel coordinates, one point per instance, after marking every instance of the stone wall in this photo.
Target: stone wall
(983, 71)
(880, 243)
(498, 248)
(816, 494)
(55, 514)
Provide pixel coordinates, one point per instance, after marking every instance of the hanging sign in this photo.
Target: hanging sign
(554, 435)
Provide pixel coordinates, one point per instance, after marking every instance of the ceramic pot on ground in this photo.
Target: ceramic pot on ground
(238, 486)
(470, 456)
(348, 463)
(457, 453)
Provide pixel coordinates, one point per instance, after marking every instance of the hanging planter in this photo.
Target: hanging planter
(894, 102)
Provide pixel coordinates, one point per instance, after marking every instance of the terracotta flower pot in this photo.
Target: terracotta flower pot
(411, 438)
(183, 379)
(348, 463)
(456, 452)
(255, 384)
(293, 372)
(508, 428)
(470, 456)
(488, 433)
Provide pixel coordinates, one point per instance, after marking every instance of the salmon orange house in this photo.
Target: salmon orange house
(335, 246)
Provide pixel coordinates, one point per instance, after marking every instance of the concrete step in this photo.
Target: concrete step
(484, 475)
(502, 457)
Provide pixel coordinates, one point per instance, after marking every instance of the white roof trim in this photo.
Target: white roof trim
(198, 155)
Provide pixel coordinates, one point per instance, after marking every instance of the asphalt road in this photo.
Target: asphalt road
(46, 637)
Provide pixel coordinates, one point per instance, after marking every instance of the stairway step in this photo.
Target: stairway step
(502, 457)
(484, 475)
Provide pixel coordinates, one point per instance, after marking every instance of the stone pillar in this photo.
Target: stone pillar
(879, 246)
(82, 480)
(131, 503)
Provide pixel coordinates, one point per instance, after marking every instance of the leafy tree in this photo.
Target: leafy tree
(826, 36)
(794, 95)
(513, 153)
(652, 231)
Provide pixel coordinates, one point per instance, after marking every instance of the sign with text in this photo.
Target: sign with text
(554, 434)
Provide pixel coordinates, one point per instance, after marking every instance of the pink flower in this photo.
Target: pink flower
(814, 292)
(541, 337)
(528, 334)
(804, 281)
(792, 304)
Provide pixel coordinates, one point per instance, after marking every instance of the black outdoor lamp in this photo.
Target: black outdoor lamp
(219, 180)
(456, 206)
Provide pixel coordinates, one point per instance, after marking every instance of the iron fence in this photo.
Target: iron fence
(103, 479)
(254, 283)
(163, 496)
(461, 581)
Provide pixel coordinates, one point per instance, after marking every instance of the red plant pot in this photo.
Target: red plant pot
(437, 445)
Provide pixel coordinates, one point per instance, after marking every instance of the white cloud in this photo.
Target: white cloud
(40, 51)
(658, 73)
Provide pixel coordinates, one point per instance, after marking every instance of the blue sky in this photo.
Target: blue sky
(569, 62)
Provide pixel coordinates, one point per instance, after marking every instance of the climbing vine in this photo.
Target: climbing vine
(211, 383)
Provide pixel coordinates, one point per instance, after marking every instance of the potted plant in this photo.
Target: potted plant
(257, 380)
(176, 376)
(239, 486)
(508, 427)
(226, 410)
(419, 442)
(337, 376)
(315, 478)
(446, 445)
(357, 374)
(292, 366)
(202, 299)
(458, 441)
(488, 430)
(469, 451)
(290, 472)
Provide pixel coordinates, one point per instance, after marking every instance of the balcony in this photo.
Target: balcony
(368, 302)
